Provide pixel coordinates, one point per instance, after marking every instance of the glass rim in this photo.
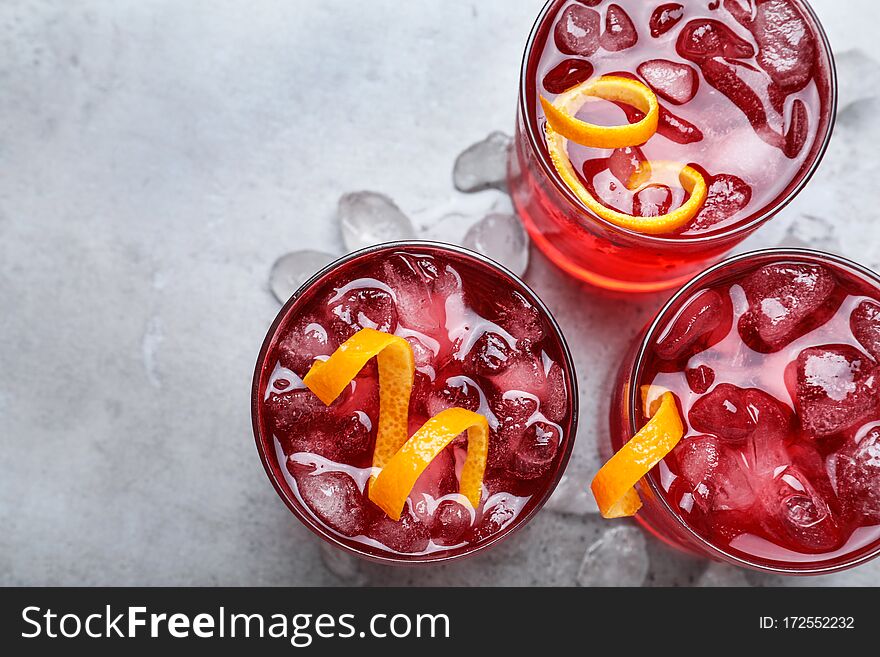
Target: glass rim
(535, 142)
(319, 528)
(658, 324)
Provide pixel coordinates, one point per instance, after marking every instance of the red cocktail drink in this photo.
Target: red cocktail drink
(747, 95)
(481, 341)
(773, 361)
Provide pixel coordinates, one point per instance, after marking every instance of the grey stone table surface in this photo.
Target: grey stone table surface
(157, 157)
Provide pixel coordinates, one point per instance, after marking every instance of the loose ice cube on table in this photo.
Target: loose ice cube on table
(858, 78)
(483, 165)
(502, 238)
(618, 558)
(291, 271)
(368, 218)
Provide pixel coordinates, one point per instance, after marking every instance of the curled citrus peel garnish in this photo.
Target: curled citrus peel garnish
(391, 488)
(398, 461)
(561, 113)
(614, 484)
(327, 379)
(562, 125)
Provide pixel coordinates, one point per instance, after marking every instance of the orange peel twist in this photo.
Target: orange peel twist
(398, 461)
(562, 125)
(614, 484)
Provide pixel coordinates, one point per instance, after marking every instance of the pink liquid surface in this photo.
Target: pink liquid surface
(776, 374)
(479, 343)
(743, 87)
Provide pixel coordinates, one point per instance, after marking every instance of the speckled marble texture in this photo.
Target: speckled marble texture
(158, 157)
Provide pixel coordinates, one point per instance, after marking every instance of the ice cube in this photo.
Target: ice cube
(577, 31)
(705, 38)
(335, 499)
(618, 558)
(291, 410)
(676, 129)
(812, 231)
(748, 89)
(664, 18)
(723, 412)
(417, 287)
(451, 521)
(304, 342)
(439, 478)
(554, 394)
(786, 45)
(836, 388)
(794, 505)
(858, 476)
(627, 165)
(566, 74)
(736, 414)
(519, 316)
(798, 129)
(652, 201)
(858, 78)
(499, 511)
(786, 301)
(407, 535)
(291, 271)
(571, 497)
(353, 436)
(368, 218)
(620, 33)
(343, 565)
(502, 238)
(483, 165)
(453, 391)
(523, 372)
(669, 125)
(700, 378)
(673, 81)
(354, 308)
(726, 196)
(490, 354)
(719, 575)
(512, 410)
(692, 327)
(865, 325)
(535, 451)
(713, 474)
